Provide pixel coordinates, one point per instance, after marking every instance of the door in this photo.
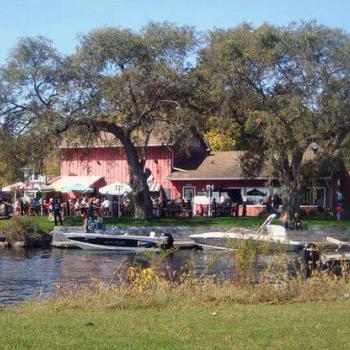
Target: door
(188, 193)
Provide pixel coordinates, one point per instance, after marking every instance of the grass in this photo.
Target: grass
(311, 222)
(100, 322)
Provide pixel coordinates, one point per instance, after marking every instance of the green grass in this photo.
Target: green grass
(322, 325)
(47, 225)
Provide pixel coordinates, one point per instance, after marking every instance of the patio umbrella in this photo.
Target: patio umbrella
(77, 188)
(256, 192)
(44, 188)
(115, 189)
(18, 186)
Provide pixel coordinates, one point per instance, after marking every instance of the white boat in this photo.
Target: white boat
(274, 235)
(120, 242)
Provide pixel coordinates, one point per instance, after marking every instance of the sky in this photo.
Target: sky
(63, 20)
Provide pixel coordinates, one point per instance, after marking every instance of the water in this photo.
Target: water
(31, 273)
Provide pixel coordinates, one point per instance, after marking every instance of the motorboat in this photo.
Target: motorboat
(274, 235)
(334, 260)
(105, 240)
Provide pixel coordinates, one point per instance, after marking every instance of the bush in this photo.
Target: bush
(22, 229)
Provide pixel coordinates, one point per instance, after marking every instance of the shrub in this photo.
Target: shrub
(23, 229)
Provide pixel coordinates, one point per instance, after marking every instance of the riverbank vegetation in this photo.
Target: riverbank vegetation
(147, 311)
(26, 232)
(264, 304)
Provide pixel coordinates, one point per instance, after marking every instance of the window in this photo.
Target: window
(313, 196)
(188, 193)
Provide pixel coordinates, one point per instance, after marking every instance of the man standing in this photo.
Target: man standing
(56, 209)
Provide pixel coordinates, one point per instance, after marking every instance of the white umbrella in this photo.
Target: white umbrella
(115, 189)
(18, 186)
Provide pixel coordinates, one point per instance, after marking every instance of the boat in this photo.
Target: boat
(274, 235)
(108, 240)
(334, 260)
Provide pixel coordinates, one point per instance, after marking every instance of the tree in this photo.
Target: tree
(287, 89)
(117, 81)
(19, 151)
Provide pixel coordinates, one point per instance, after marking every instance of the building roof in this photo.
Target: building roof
(217, 165)
(106, 139)
(226, 166)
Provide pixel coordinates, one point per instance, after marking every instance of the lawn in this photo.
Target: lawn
(47, 225)
(321, 325)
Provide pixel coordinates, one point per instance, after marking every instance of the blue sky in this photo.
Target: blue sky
(63, 20)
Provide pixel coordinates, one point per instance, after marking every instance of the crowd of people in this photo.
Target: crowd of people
(57, 209)
(72, 207)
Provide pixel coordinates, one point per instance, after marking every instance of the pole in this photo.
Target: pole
(209, 208)
(119, 201)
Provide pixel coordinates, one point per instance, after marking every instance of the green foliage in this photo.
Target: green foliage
(286, 89)
(247, 254)
(24, 229)
(119, 81)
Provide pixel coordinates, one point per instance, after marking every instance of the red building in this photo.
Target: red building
(186, 170)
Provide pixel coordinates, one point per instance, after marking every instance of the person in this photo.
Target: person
(276, 203)
(105, 206)
(244, 209)
(56, 209)
(269, 204)
(320, 205)
(18, 207)
(90, 210)
(89, 217)
(189, 208)
(115, 207)
(163, 208)
(68, 206)
(339, 211)
(214, 211)
(285, 220)
(297, 221)
(340, 197)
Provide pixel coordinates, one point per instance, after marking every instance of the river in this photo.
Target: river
(31, 273)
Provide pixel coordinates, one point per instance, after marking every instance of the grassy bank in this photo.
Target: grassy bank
(151, 308)
(209, 322)
(47, 225)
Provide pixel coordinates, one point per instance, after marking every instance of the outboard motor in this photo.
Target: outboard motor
(169, 243)
(311, 258)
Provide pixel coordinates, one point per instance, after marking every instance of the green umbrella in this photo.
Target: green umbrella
(77, 188)
(256, 192)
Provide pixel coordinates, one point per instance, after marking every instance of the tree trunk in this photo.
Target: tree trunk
(141, 196)
(290, 181)
(291, 198)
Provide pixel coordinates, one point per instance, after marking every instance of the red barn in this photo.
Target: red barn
(186, 171)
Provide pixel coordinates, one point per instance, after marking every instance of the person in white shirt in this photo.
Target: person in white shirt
(105, 206)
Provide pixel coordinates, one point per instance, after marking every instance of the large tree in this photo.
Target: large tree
(288, 92)
(119, 81)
